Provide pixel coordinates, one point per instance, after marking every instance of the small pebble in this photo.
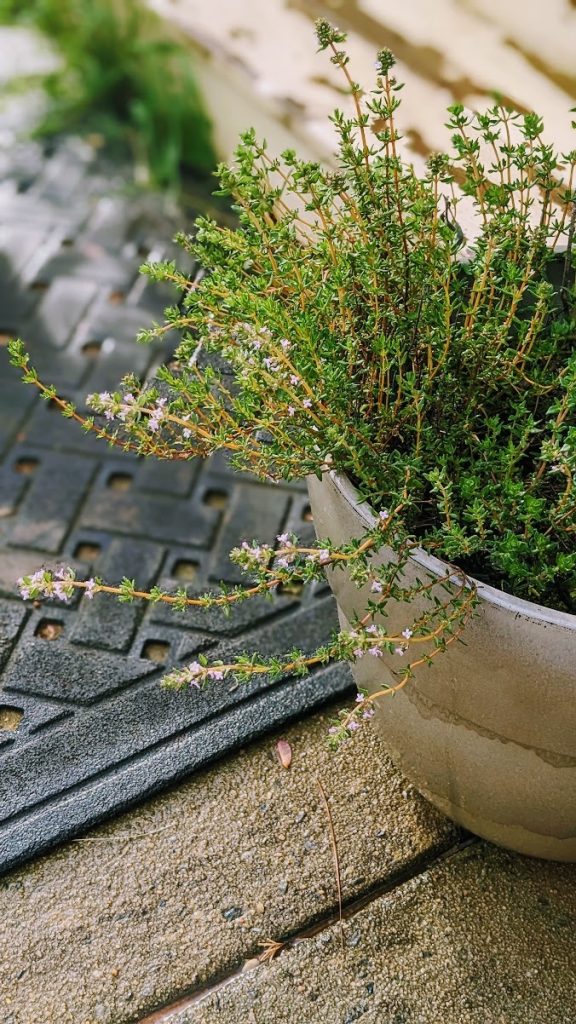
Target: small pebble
(232, 913)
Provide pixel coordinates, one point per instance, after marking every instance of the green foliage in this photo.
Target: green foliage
(348, 323)
(365, 334)
(124, 78)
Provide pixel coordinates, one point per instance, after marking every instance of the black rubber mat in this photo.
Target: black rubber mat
(85, 729)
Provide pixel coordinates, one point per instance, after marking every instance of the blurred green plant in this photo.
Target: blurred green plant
(123, 77)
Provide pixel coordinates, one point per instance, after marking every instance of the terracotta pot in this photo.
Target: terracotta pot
(488, 733)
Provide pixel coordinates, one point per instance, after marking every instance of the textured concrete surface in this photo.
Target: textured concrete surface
(173, 895)
(484, 937)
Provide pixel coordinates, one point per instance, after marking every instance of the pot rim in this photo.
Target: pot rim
(515, 605)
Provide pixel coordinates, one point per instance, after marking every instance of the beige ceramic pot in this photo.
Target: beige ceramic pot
(488, 734)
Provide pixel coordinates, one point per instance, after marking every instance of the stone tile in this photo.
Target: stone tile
(149, 918)
(59, 311)
(484, 936)
(103, 622)
(155, 517)
(253, 509)
(12, 616)
(50, 505)
(16, 401)
(56, 669)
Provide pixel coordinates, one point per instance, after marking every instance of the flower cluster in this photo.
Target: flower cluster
(350, 721)
(46, 583)
(143, 410)
(193, 675)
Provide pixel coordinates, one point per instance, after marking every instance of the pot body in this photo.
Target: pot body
(488, 733)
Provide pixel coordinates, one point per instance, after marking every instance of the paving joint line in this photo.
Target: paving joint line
(419, 866)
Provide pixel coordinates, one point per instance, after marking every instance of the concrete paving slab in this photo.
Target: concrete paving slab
(181, 891)
(485, 937)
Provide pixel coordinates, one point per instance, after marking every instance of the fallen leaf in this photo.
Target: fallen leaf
(284, 751)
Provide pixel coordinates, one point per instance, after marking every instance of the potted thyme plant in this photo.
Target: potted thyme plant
(425, 384)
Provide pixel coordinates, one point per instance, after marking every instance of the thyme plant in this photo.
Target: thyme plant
(348, 324)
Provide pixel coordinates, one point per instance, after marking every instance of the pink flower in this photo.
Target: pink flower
(307, 402)
(215, 673)
(375, 652)
(376, 587)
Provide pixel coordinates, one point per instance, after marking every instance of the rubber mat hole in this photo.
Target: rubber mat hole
(185, 570)
(119, 482)
(39, 286)
(85, 551)
(26, 466)
(307, 516)
(10, 718)
(49, 629)
(215, 499)
(5, 337)
(66, 243)
(92, 349)
(156, 650)
(116, 298)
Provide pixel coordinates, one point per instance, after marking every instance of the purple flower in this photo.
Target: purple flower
(90, 588)
(307, 402)
(215, 673)
(359, 698)
(376, 587)
(323, 556)
(375, 652)
(333, 730)
(294, 378)
(383, 515)
(285, 344)
(407, 633)
(291, 410)
(400, 651)
(283, 538)
(372, 629)
(358, 653)
(353, 725)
